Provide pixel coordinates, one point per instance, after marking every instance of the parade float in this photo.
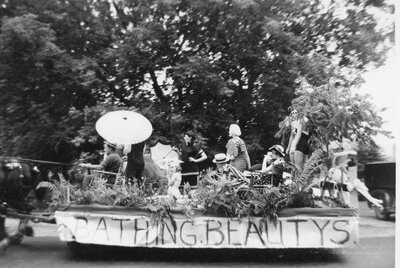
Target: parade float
(218, 213)
(316, 208)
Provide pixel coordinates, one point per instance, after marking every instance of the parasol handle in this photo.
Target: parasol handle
(168, 153)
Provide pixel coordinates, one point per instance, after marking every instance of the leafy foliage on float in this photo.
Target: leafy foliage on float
(99, 192)
(214, 195)
(313, 165)
(228, 198)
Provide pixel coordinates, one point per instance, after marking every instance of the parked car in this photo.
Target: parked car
(380, 178)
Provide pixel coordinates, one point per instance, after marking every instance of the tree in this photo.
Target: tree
(369, 153)
(199, 64)
(238, 61)
(40, 83)
(336, 114)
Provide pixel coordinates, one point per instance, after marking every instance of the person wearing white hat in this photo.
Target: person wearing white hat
(225, 170)
(236, 149)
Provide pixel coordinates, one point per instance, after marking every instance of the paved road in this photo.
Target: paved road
(371, 227)
(49, 252)
(377, 241)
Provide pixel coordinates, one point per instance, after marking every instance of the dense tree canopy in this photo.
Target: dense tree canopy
(335, 114)
(185, 64)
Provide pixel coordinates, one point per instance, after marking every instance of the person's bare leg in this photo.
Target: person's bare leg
(362, 189)
(291, 156)
(299, 159)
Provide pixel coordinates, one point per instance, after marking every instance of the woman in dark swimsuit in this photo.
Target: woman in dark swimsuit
(298, 147)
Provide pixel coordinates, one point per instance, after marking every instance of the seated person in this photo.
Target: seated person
(339, 184)
(174, 181)
(227, 171)
(273, 166)
(111, 163)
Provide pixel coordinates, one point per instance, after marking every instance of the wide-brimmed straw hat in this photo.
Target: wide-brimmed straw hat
(279, 149)
(221, 158)
(111, 144)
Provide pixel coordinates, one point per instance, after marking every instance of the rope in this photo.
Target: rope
(2, 158)
(189, 174)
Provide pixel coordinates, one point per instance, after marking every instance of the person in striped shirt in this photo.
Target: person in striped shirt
(226, 170)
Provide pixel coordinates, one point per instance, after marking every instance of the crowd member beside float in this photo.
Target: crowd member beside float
(111, 163)
(190, 154)
(298, 147)
(273, 166)
(174, 180)
(236, 149)
(338, 184)
(225, 170)
(134, 163)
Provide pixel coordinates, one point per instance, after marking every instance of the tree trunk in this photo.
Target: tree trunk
(156, 87)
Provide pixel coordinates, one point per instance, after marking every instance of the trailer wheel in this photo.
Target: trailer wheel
(381, 213)
(85, 250)
(79, 248)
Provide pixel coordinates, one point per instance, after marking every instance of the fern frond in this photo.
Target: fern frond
(313, 164)
(46, 184)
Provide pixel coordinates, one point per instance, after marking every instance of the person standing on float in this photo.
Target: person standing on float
(190, 154)
(236, 149)
(135, 162)
(299, 148)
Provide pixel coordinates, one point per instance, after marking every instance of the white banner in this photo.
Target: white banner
(208, 232)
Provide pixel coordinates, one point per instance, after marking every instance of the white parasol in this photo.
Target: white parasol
(161, 152)
(164, 156)
(124, 127)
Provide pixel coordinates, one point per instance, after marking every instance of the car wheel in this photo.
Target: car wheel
(380, 212)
